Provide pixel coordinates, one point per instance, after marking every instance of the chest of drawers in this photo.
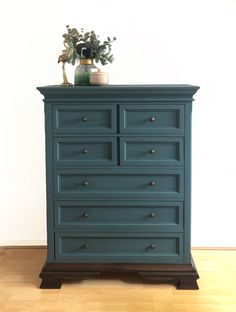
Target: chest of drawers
(118, 182)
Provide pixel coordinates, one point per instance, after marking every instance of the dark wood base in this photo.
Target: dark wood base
(183, 276)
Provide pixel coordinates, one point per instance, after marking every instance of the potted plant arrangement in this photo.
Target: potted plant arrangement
(86, 48)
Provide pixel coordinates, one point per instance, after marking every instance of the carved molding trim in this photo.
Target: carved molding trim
(120, 93)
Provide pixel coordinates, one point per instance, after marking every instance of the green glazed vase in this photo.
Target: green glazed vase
(83, 71)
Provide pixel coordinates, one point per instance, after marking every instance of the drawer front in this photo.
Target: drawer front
(161, 217)
(151, 151)
(84, 151)
(151, 118)
(108, 247)
(74, 183)
(84, 118)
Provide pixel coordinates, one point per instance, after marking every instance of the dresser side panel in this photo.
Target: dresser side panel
(49, 181)
(187, 185)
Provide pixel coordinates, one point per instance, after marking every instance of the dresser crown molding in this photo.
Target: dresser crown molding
(121, 92)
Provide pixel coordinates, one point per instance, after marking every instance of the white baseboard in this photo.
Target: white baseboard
(23, 243)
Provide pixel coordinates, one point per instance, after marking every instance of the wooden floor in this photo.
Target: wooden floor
(19, 288)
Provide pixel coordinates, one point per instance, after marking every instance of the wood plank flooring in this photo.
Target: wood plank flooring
(19, 288)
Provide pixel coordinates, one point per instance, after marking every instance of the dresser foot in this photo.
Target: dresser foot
(53, 274)
(183, 276)
(187, 283)
(180, 283)
(50, 284)
(50, 280)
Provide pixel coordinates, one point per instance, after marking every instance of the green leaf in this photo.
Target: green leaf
(97, 57)
(111, 58)
(101, 48)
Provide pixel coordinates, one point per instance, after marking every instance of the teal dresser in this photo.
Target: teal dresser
(118, 163)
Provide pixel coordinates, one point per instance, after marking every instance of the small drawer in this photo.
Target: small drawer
(151, 151)
(84, 118)
(118, 216)
(118, 247)
(84, 151)
(152, 118)
(76, 183)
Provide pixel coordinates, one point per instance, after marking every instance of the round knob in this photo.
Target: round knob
(152, 215)
(85, 183)
(85, 246)
(84, 215)
(152, 151)
(84, 151)
(152, 246)
(152, 183)
(152, 119)
(84, 118)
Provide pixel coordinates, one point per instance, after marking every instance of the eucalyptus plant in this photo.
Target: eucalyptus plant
(87, 45)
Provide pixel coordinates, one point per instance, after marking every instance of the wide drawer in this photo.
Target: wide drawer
(152, 118)
(84, 151)
(118, 216)
(84, 118)
(120, 247)
(151, 151)
(161, 182)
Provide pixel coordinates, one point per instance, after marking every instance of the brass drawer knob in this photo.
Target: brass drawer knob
(84, 118)
(85, 183)
(152, 183)
(152, 151)
(152, 119)
(84, 215)
(84, 151)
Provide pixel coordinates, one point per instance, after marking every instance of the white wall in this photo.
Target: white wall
(160, 41)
